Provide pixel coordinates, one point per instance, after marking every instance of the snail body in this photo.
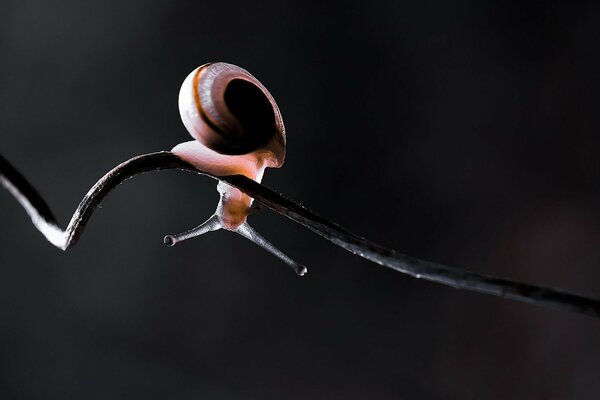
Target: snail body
(238, 130)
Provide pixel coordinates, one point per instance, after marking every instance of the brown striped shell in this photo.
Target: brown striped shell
(229, 111)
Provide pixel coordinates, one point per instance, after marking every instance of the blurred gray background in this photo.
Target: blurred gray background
(460, 132)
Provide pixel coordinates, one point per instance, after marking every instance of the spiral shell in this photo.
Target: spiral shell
(229, 111)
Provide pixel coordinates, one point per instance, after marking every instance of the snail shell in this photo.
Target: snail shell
(236, 123)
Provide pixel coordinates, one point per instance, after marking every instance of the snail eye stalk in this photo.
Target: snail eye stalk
(211, 224)
(245, 230)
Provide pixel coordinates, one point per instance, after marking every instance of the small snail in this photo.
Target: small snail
(237, 129)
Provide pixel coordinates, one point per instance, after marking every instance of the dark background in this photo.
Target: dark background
(460, 132)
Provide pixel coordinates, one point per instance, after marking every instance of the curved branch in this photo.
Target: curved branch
(44, 220)
(457, 278)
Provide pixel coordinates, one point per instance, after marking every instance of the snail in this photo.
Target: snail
(237, 129)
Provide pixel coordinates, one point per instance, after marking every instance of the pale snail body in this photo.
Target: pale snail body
(238, 130)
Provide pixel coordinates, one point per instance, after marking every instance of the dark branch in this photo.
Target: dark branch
(41, 215)
(43, 219)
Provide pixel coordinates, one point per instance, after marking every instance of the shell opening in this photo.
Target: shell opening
(254, 114)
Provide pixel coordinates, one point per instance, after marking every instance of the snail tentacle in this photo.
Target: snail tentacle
(249, 233)
(211, 224)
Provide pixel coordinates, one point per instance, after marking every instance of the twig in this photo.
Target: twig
(45, 222)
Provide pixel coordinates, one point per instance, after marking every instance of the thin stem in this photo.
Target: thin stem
(455, 277)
